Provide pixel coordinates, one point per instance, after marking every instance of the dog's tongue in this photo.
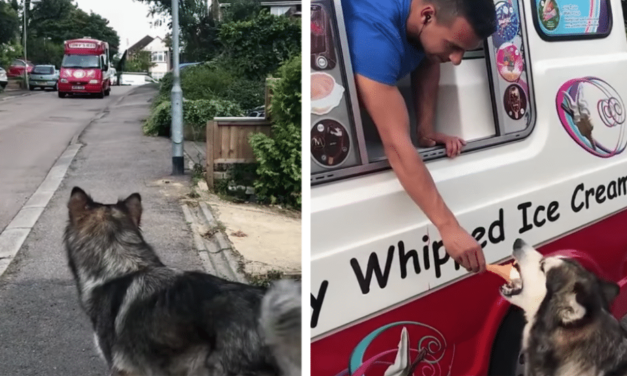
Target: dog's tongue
(503, 271)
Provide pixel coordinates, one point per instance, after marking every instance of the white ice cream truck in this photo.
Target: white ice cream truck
(542, 107)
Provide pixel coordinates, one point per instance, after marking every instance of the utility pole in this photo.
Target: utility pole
(26, 5)
(178, 164)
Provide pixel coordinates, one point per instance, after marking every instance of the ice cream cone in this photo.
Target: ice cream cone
(503, 271)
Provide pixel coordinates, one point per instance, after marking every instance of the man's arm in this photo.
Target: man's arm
(386, 106)
(425, 82)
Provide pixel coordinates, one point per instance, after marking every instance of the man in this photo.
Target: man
(389, 39)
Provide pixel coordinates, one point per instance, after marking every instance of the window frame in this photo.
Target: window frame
(366, 167)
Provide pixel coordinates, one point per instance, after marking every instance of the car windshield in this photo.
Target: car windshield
(81, 61)
(43, 70)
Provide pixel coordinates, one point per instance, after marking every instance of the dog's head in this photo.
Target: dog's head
(91, 216)
(558, 284)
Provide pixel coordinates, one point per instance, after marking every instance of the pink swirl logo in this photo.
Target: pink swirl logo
(424, 358)
(599, 129)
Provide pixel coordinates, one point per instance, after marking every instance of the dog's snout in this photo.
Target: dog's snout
(519, 244)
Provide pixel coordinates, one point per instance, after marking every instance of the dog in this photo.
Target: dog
(569, 329)
(154, 320)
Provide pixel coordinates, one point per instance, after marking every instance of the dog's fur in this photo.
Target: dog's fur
(569, 329)
(151, 319)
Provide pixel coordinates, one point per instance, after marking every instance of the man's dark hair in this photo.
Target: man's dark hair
(481, 14)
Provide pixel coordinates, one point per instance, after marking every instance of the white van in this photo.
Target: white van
(135, 79)
(382, 284)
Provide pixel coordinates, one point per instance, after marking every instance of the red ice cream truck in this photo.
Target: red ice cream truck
(540, 105)
(84, 68)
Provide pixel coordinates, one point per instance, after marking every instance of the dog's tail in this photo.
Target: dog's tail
(281, 324)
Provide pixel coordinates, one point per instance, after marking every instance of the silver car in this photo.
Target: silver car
(43, 76)
(3, 78)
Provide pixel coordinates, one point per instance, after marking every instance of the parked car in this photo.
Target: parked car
(43, 76)
(257, 112)
(4, 80)
(113, 74)
(18, 66)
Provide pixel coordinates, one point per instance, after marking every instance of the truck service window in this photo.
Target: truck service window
(487, 100)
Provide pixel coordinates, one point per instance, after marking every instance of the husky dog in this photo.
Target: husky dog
(151, 319)
(569, 329)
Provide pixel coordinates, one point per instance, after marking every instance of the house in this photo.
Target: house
(290, 8)
(159, 52)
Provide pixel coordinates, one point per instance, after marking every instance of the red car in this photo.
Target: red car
(17, 68)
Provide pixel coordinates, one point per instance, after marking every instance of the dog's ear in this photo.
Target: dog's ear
(574, 305)
(134, 205)
(79, 202)
(610, 291)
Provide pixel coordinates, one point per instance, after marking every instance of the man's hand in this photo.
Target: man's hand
(463, 248)
(453, 144)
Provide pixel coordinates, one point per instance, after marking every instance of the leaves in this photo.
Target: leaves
(195, 112)
(258, 46)
(139, 62)
(279, 156)
(9, 23)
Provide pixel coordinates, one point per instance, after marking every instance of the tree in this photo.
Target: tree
(139, 62)
(197, 25)
(9, 22)
(51, 22)
(257, 47)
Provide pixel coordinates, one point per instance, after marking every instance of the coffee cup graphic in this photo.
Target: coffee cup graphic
(326, 93)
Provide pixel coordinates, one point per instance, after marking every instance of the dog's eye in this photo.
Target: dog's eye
(542, 266)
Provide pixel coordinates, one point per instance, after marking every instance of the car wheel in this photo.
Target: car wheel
(100, 95)
(61, 95)
(108, 92)
(32, 88)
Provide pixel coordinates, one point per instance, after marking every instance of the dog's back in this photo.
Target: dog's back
(149, 318)
(281, 324)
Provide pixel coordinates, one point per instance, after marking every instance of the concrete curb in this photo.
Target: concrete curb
(14, 235)
(215, 251)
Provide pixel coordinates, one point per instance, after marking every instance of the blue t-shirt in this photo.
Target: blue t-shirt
(377, 39)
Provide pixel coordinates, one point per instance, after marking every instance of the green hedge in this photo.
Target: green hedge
(279, 156)
(195, 113)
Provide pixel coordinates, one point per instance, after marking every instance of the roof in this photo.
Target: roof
(141, 44)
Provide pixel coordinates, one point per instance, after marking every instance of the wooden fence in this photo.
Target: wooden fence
(228, 141)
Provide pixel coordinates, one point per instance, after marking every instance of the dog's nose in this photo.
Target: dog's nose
(519, 243)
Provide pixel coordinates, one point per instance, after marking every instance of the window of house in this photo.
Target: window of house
(487, 100)
(158, 57)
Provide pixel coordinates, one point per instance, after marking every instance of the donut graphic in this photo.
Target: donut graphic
(509, 61)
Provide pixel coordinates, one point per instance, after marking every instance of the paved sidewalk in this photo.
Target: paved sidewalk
(42, 329)
(261, 239)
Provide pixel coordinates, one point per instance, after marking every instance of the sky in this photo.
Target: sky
(129, 18)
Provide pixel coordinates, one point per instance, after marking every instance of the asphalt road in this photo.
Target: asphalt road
(42, 328)
(34, 131)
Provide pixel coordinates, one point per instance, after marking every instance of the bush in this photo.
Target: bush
(257, 47)
(203, 82)
(247, 93)
(210, 81)
(279, 156)
(195, 113)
